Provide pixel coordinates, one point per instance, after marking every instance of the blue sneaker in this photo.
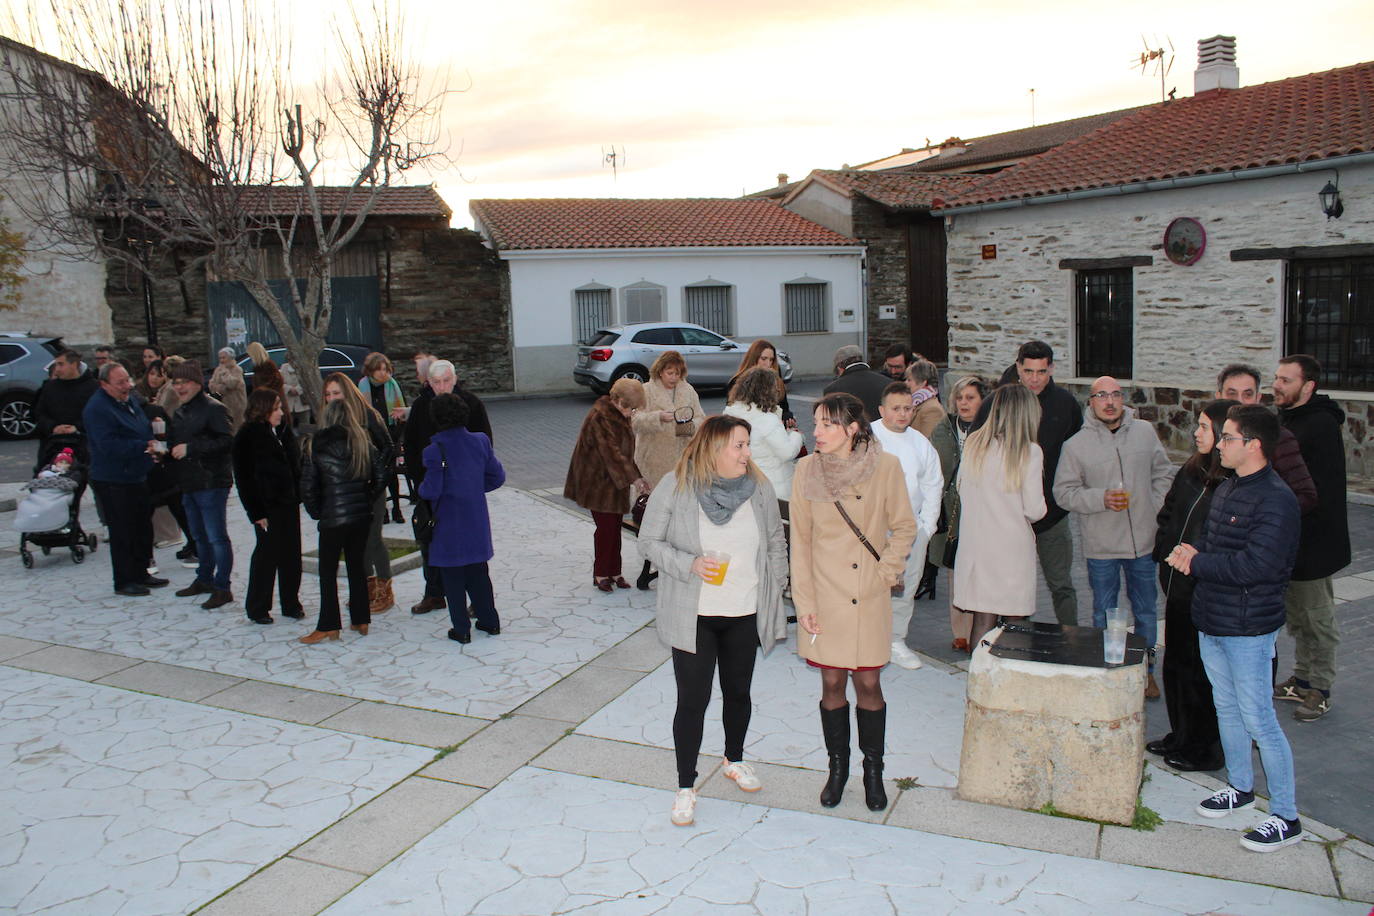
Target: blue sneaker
(1275, 833)
(1226, 801)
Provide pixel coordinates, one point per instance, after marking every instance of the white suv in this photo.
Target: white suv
(627, 351)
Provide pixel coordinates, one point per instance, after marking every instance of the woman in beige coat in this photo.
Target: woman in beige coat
(841, 587)
(1001, 494)
(226, 383)
(664, 425)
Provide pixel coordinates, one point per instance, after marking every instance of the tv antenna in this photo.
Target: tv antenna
(1162, 60)
(1032, 101)
(616, 159)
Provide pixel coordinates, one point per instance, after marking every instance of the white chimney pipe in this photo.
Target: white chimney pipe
(1216, 64)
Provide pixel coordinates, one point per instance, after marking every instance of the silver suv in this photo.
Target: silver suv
(24, 361)
(627, 351)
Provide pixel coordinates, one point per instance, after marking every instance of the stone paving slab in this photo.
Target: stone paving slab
(398, 723)
(497, 751)
(12, 646)
(122, 802)
(581, 693)
(288, 887)
(938, 810)
(547, 842)
(290, 703)
(82, 664)
(640, 651)
(1355, 869)
(654, 767)
(170, 681)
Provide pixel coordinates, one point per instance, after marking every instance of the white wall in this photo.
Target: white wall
(825, 206)
(543, 317)
(1189, 321)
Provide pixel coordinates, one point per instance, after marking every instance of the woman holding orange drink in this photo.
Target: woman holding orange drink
(713, 530)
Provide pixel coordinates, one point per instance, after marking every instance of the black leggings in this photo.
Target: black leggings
(733, 642)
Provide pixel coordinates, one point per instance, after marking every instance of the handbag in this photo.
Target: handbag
(637, 513)
(897, 589)
(422, 521)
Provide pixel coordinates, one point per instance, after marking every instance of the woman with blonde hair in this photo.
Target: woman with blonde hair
(852, 529)
(664, 425)
(713, 528)
(763, 355)
(1001, 494)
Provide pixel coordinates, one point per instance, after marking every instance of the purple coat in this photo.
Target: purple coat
(462, 526)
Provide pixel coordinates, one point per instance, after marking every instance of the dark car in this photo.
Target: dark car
(24, 361)
(345, 358)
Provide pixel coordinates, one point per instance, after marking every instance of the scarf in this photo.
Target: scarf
(720, 500)
(920, 397)
(829, 477)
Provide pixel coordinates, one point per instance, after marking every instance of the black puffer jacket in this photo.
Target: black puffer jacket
(202, 425)
(331, 495)
(1246, 556)
(267, 467)
(1181, 522)
(1325, 547)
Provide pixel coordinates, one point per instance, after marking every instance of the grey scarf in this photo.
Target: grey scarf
(720, 500)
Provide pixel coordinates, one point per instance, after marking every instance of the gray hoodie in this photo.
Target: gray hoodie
(1095, 460)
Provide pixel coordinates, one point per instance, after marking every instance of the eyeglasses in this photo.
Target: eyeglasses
(1108, 396)
(1230, 438)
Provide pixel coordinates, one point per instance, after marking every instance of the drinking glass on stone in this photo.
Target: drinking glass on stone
(722, 561)
(1114, 636)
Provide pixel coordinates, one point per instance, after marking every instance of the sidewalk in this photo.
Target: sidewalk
(167, 759)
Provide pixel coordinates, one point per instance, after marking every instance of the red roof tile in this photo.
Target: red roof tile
(895, 189)
(983, 152)
(279, 200)
(1294, 120)
(646, 223)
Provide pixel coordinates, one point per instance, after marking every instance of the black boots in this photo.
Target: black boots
(835, 728)
(926, 587)
(872, 730)
(645, 577)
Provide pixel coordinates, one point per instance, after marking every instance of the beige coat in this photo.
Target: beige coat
(928, 416)
(657, 444)
(226, 383)
(994, 570)
(836, 578)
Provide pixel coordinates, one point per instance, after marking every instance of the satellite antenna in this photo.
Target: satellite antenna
(615, 159)
(1032, 98)
(1163, 61)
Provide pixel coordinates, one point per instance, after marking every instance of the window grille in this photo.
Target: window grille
(1105, 318)
(1329, 313)
(709, 306)
(805, 307)
(593, 312)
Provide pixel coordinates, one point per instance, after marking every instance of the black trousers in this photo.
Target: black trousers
(277, 555)
(727, 644)
(434, 581)
(464, 583)
(1187, 691)
(352, 540)
(130, 515)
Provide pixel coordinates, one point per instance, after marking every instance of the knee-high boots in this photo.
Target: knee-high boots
(872, 734)
(835, 728)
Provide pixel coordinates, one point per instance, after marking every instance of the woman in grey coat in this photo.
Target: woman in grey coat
(713, 529)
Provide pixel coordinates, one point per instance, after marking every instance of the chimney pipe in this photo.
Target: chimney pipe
(1216, 64)
(782, 179)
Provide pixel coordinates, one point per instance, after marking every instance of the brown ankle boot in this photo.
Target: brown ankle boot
(373, 593)
(386, 598)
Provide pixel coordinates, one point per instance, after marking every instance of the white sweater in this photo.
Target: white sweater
(921, 466)
(775, 447)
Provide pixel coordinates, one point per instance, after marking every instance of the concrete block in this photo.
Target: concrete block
(640, 651)
(1352, 588)
(936, 810)
(637, 764)
(388, 825)
(401, 723)
(1218, 853)
(1355, 869)
(1037, 733)
(497, 751)
(581, 693)
(170, 681)
(82, 664)
(14, 646)
(287, 887)
(278, 702)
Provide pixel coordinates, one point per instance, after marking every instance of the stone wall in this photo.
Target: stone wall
(887, 274)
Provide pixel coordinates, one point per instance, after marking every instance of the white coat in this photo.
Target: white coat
(775, 447)
(994, 570)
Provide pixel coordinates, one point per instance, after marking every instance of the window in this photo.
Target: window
(592, 308)
(10, 352)
(708, 304)
(643, 302)
(804, 302)
(1329, 313)
(659, 337)
(1105, 320)
(693, 337)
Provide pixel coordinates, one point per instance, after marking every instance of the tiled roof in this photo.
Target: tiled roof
(1020, 143)
(896, 189)
(1300, 119)
(278, 200)
(651, 223)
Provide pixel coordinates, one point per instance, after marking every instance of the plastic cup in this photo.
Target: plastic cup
(722, 560)
(1114, 636)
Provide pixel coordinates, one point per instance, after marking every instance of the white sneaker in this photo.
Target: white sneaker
(173, 542)
(903, 656)
(743, 775)
(685, 807)
(152, 570)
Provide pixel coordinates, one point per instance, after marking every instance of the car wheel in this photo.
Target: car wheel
(638, 373)
(16, 417)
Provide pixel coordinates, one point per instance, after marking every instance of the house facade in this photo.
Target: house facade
(743, 268)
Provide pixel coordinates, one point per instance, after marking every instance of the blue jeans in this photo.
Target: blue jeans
(1243, 690)
(1104, 576)
(205, 515)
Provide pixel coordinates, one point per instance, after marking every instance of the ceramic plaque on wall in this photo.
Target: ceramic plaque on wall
(1184, 241)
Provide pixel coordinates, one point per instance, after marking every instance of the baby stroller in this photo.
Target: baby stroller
(49, 516)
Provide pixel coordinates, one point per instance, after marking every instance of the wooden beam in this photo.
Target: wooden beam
(1143, 260)
(1363, 250)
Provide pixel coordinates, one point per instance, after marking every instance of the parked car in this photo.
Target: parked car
(24, 361)
(345, 358)
(627, 351)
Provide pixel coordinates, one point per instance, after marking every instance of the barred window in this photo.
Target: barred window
(1105, 319)
(708, 304)
(1329, 313)
(642, 302)
(592, 305)
(805, 306)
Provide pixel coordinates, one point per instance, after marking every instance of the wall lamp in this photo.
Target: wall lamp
(1331, 201)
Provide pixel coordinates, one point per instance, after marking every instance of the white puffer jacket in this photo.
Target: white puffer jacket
(775, 447)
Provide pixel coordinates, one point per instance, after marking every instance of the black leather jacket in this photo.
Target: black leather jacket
(202, 425)
(330, 494)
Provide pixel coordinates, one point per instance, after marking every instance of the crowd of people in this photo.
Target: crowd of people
(738, 516)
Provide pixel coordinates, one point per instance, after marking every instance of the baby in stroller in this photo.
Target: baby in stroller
(48, 516)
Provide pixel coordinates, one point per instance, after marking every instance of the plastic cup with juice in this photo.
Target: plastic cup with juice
(722, 561)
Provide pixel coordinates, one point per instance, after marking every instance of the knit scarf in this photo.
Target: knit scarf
(829, 477)
(720, 500)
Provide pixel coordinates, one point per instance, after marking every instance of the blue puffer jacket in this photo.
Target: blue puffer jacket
(1246, 556)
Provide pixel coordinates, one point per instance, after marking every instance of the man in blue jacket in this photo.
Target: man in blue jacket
(121, 445)
(1242, 568)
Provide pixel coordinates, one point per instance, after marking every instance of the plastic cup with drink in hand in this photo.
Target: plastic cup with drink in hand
(159, 427)
(722, 561)
(1114, 636)
(1121, 497)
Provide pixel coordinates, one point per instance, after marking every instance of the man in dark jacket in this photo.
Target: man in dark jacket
(1242, 566)
(854, 376)
(1060, 417)
(1239, 382)
(1325, 546)
(121, 445)
(201, 445)
(58, 408)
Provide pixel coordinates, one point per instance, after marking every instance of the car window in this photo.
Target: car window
(10, 352)
(695, 337)
(604, 339)
(657, 336)
(334, 359)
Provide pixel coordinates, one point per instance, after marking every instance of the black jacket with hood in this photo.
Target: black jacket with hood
(1325, 546)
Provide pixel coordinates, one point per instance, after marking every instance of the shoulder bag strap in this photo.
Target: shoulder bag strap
(857, 533)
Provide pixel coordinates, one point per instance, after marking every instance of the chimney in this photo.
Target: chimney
(1216, 64)
(782, 179)
(953, 147)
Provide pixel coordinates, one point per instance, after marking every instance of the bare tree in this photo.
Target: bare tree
(179, 135)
